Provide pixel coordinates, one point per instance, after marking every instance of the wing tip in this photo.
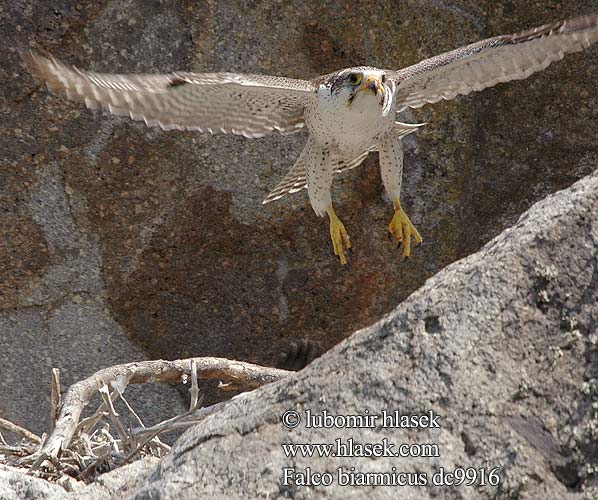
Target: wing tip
(32, 61)
(563, 27)
(44, 68)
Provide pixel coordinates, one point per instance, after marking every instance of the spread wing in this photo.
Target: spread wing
(488, 62)
(249, 105)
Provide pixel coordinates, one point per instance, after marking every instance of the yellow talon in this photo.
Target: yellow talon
(403, 229)
(339, 236)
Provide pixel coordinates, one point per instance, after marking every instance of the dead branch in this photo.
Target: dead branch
(120, 428)
(245, 376)
(194, 391)
(187, 419)
(147, 436)
(55, 397)
(9, 426)
(88, 423)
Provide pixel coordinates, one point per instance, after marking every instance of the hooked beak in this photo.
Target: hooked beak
(373, 85)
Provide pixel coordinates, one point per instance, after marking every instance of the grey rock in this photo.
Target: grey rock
(123, 243)
(15, 485)
(502, 345)
(118, 483)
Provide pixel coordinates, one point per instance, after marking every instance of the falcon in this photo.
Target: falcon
(347, 114)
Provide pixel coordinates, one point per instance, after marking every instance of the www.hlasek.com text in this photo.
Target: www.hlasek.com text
(352, 448)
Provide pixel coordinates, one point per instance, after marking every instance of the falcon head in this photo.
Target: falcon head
(361, 84)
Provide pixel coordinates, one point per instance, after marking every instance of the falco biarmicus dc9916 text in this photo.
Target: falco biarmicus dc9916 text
(347, 113)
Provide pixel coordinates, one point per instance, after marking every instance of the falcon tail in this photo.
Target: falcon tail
(296, 180)
(404, 129)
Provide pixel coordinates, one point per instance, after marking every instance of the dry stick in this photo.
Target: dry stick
(194, 390)
(89, 423)
(14, 450)
(148, 436)
(17, 429)
(133, 412)
(162, 445)
(187, 419)
(245, 375)
(55, 397)
(120, 428)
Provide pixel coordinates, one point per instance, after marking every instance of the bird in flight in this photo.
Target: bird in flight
(347, 113)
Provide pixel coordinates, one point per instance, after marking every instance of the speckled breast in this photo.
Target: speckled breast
(351, 128)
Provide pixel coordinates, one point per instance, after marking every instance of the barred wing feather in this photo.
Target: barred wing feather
(249, 105)
(488, 62)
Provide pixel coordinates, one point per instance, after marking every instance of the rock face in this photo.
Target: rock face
(14, 485)
(120, 242)
(502, 346)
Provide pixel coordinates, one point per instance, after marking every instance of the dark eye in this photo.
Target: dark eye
(355, 78)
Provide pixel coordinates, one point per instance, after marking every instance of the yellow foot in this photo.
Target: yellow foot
(339, 236)
(403, 229)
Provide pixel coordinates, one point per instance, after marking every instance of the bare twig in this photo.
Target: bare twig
(148, 435)
(14, 450)
(55, 401)
(133, 412)
(89, 423)
(120, 429)
(242, 375)
(157, 441)
(17, 429)
(194, 388)
(187, 419)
